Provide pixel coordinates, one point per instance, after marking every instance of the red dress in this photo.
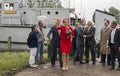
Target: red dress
(65, 39)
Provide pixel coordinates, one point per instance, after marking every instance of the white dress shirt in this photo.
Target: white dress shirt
(79, 16)
(83, 28)
(72, 15)
(112, 35)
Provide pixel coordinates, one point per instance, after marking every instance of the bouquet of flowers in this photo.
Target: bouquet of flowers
(68, 32)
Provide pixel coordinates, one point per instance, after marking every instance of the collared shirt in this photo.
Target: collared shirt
(83, 28)
(112, 35)
(89, 27)
(107, 27)
(72, 15)
(79, 16)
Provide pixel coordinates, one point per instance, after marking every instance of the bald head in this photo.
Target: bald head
(89, 23)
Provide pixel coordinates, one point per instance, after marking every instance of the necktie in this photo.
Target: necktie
(83, 28)
(41, 29)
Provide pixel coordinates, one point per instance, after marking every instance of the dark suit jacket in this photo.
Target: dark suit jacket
(80, 39)
(90, 39)
(119, 37)
(75, 34)
(55, 41)
(116, 38)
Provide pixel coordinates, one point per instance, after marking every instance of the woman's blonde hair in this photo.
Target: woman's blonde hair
(56, 20)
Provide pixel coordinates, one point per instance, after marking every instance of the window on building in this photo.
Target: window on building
(9, 6)
(6, 6)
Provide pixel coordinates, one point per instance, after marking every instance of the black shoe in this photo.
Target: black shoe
(111, 69)
(77, 59)
(108, 64)
(42, 62)
(103, 64)
(87, 62)
(61, 66)
(53, 65)
(74, 63)
(93, 63)
(82, 62)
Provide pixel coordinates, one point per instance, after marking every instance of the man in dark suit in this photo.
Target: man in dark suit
(114, 43)
(74, 39)
(80, 43)
(89, 42)
(55, 43)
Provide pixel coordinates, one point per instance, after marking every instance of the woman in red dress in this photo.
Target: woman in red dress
(66, 35)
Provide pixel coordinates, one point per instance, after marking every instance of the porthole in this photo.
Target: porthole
(56, 12)
(48, 12)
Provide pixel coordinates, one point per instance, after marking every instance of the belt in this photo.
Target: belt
(112, 43)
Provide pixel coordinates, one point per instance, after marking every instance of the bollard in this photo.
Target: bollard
(9, 43)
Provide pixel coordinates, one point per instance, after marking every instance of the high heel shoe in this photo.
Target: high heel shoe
(66, 68)
(63, 68)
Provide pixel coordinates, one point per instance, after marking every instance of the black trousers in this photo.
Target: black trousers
(72, 21)
(103, 58)
(74, 46)
(74, 49)
(79, 52)
(97, 50)
(90, 48)
(56, 49)
(114, 53)
(79, 19)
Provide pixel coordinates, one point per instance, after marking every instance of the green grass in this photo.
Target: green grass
(10, 61)
(13, 60)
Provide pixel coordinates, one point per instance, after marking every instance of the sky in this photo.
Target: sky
(88, 6)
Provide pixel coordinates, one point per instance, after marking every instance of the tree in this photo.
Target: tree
(116, 13)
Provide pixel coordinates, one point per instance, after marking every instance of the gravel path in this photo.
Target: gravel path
(74, 70)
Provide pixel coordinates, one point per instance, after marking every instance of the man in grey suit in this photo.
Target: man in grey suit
(89, 42)
(80, 43)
